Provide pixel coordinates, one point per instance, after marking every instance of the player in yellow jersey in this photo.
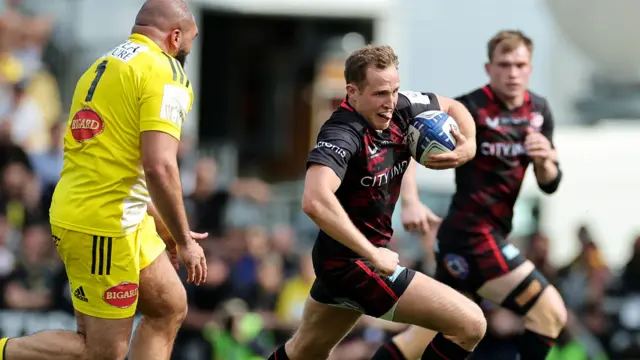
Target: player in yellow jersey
(120, 153)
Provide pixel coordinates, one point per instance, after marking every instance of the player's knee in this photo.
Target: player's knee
(548, 316)
(172, 308)
(177, 307)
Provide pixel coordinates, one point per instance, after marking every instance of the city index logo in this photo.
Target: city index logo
(122, 296)
(383, 178)
(86, 124)
(502, 149)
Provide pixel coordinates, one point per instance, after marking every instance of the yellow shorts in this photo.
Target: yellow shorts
(104, 272)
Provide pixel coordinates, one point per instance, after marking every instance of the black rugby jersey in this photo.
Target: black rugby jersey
(487, 187)
(371, 165)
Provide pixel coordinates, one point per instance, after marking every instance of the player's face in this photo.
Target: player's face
(509, 72)
(378, 97)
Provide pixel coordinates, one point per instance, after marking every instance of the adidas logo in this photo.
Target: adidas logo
(79, 294)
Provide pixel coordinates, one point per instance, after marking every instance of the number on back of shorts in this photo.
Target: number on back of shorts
(99, 71)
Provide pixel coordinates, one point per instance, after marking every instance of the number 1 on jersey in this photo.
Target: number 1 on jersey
(99, 71)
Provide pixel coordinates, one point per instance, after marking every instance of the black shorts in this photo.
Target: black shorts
(355, 284)
(466, 260)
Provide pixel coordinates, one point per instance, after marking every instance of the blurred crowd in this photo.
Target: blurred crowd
(260, 272)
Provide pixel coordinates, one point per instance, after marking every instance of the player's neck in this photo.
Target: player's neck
(511, 102)
(152, 33)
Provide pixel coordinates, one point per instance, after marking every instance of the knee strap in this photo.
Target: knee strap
(525, 295)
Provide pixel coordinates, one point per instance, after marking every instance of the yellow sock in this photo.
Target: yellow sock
(3, 343)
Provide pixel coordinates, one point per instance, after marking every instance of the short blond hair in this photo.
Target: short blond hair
(507, 41)
(378, 56)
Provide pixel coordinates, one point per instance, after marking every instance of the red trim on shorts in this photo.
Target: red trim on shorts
(496, 251)
(438, 352)
(345, 104)
(377, 278)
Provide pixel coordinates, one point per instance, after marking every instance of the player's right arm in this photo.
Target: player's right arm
(326, 167)
(163, 107)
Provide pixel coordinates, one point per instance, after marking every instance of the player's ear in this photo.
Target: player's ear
(176, 38)
(486, 67)
(352, 89)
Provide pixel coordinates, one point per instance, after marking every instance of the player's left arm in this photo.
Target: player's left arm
(465, 139)
(540, 148)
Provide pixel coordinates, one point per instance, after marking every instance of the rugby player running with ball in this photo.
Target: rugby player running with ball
(354, 179)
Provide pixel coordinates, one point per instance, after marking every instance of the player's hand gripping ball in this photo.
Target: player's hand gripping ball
(430, 133)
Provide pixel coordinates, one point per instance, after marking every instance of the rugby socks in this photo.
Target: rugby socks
(279, 354)
(388, 351)
(444, 349)
(3, 345)
(534, 346)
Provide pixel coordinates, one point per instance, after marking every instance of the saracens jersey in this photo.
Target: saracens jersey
(488, 185)
(370, 164)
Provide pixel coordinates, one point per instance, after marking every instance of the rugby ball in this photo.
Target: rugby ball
(430, 134)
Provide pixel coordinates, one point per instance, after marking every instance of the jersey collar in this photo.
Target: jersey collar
(492, 96)
(141, 39)
(345, 104)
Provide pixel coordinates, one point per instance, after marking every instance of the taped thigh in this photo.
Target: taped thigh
(526, 294)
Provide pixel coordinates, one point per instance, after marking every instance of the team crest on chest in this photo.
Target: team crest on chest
(536, 120)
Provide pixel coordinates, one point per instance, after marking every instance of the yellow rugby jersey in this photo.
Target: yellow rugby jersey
(135, 87)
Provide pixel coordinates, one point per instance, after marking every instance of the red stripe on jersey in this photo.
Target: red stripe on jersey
(488, 91)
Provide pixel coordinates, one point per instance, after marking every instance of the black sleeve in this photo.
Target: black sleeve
(548, 122)
(466, 101)
(547, 130)
(412, 103)
(337, 143)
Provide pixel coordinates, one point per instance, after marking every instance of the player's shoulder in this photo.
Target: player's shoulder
(148, 61)
(474, 99)
(345, 120)
(538, 101)
(409, 98)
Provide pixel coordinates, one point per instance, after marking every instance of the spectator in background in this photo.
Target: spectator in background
(7, 256)
(283, 240)
(630, 278)
(208, 203)
(263, 295)
(240, 334)
(203, 301)
(586, 277)
(294, 294)
(24, 120)
(29, 286)
(11, 69)
(537, 250)
(256, 243)
(20, 195)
